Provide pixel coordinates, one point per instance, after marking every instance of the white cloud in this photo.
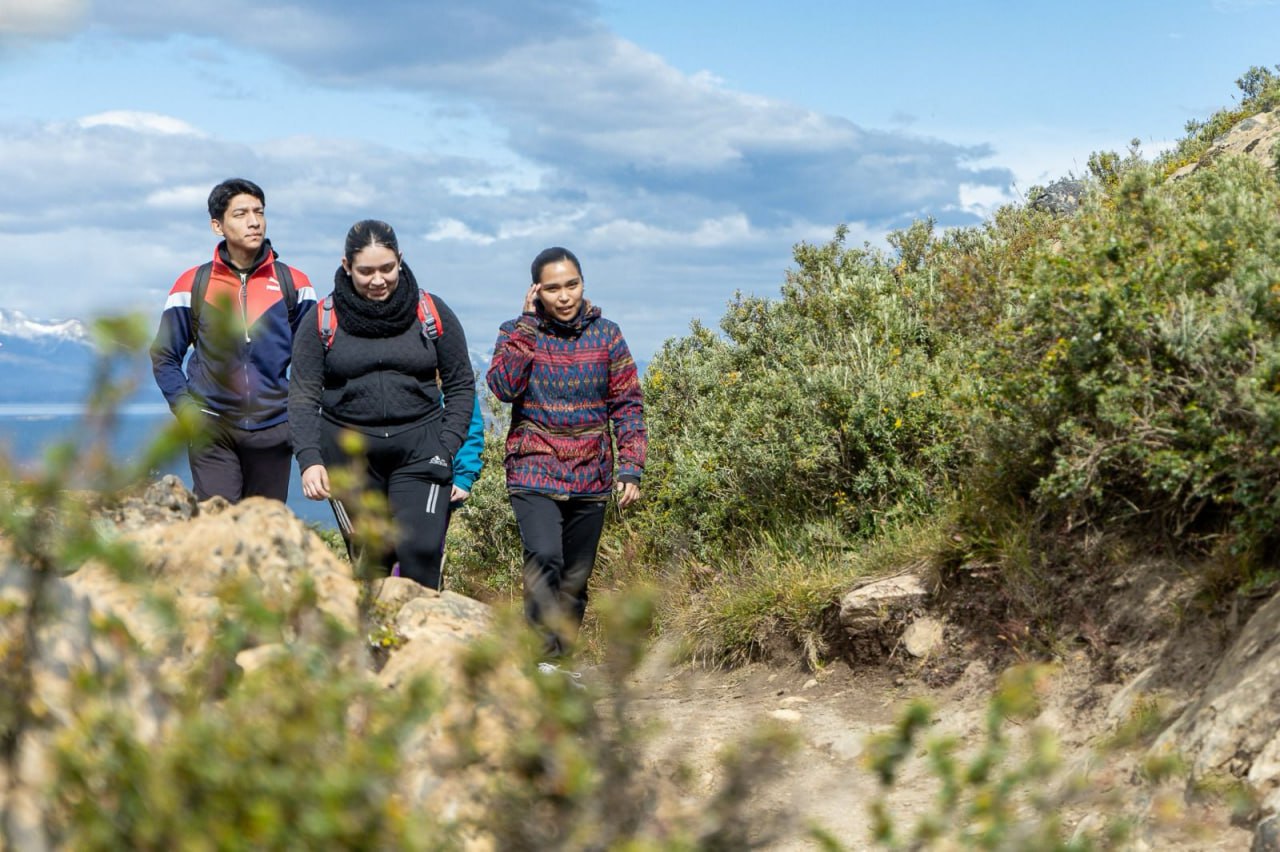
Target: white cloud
(674, 188)
(590, 112)
(40, 17)
(982, 201)
(516, 179)
(182, 199)
(142, 122)
(453, 229)
(713, 233)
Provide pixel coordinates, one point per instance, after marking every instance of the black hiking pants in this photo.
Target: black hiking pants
(414, 472)
(560, 538)
(236, 463)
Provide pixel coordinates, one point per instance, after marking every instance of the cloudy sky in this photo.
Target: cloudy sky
(680, 148)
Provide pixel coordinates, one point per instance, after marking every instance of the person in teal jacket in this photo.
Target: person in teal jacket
(466, 462)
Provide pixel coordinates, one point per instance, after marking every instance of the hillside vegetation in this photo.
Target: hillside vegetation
(205, 676)
(972, 393)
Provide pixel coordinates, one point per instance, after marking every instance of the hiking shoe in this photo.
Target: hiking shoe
(575, 678)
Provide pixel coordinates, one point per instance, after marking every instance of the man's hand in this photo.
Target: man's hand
(457, 495)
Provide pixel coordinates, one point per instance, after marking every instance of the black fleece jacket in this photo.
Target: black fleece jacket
(379, 386)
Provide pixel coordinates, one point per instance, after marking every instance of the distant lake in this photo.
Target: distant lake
(27, 430)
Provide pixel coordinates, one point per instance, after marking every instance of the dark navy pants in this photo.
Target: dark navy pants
(237, 463)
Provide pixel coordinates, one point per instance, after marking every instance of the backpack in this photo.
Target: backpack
(200, 285)
(428, 316)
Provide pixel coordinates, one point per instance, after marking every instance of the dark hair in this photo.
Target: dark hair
(222, 194)
(555, 254)
(370, 232)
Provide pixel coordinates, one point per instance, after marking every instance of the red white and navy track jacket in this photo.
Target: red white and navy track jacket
(240, 363)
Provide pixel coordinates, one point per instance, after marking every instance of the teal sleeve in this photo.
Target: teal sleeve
(466, 462)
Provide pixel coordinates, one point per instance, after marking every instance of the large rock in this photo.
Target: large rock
(1062, 197)
(434, 627)
(189, 556)
(1255, 137)
(874, 616)
(1233, 728)
(164, 501)
(71, 642)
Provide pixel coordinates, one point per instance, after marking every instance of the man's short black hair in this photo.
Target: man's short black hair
(222, 194)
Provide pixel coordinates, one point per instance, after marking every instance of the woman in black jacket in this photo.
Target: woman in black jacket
(369, 366)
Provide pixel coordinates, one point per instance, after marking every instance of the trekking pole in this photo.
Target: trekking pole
(344, 527)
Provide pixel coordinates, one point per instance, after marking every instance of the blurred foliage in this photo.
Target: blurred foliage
(572, 773)
(1008, 792)
(303, 748)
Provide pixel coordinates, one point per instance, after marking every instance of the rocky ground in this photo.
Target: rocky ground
(1136, 651)
(827, 783)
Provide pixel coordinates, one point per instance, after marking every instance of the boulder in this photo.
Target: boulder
(874, 616)
(1254, 137)
(923, 637)
(1062, 197)
(435, 626)
(1233, 727)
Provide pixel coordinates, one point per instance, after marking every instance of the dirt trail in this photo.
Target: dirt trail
(700, 712)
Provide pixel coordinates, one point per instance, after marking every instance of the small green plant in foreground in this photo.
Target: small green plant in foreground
(1008, 794)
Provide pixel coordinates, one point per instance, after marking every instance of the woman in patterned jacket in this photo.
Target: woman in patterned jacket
(574, 394)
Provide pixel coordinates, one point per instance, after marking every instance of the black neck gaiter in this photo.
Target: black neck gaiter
(364, 318)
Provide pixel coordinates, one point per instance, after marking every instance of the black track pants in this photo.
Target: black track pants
(415, 474)
(560, 539)
(237, 463)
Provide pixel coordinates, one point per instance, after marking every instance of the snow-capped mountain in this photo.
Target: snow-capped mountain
(17, 325)
(43, 361)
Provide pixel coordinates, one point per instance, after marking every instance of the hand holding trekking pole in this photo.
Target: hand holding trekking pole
(315, 482)
(628, 493)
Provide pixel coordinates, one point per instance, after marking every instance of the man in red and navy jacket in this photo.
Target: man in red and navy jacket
(239, 314)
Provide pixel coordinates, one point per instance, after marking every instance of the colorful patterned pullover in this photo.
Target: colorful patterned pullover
(568, 383)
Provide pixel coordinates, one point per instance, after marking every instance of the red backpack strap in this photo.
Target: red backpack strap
(429, 316)
(326, 321)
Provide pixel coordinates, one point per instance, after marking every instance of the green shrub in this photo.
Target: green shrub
(1136, 374)
(833, 401)
(274, 765)
(483, 553)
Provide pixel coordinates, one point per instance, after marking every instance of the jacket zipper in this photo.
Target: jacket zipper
(244, 303)
(244, 316)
